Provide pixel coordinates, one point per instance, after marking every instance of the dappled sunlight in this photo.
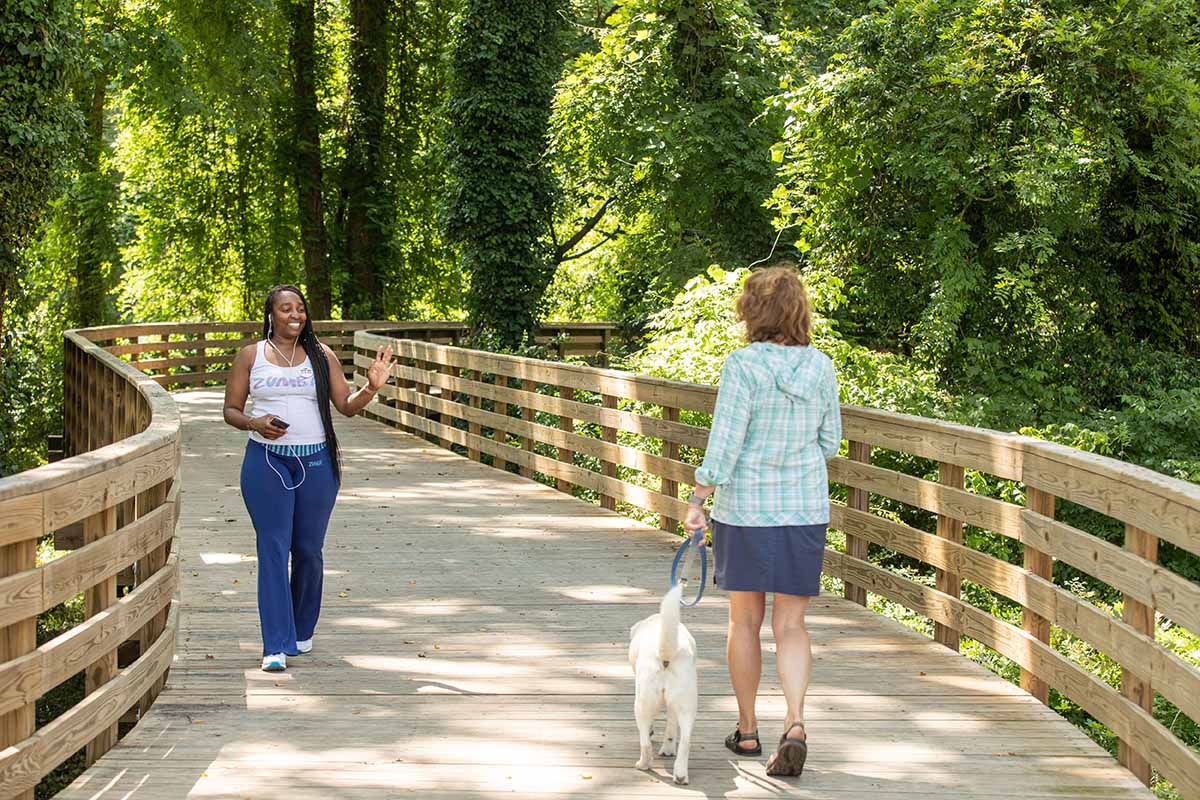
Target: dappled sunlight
(603, 593)
(473, 643)
(364, 623)
(227, 558)
(430, 666)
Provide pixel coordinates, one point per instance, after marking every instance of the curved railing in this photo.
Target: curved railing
(624, 440)
(112, 503)
(117, 487)
(195, 353)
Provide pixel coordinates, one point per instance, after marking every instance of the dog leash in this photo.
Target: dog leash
(677, 574)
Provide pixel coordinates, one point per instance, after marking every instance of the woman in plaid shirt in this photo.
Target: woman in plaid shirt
(776, 421)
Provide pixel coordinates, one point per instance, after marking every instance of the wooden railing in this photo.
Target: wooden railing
(618, 438)
(112, 501)
(197, 353)
(626, 441)
(117, 484)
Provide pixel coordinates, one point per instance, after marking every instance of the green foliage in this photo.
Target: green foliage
(691, 338)
(207, 189)
(422, 277)
(666, 119)
(500, 195)
(31, 379)
(39, 51)
(995, 179)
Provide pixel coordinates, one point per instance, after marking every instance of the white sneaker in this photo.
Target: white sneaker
(305, 646)
(276, 662)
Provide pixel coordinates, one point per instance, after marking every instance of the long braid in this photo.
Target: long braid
(320, 365)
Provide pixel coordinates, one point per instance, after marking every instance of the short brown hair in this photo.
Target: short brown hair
(774, 305)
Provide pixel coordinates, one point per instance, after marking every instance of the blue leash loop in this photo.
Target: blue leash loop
(686, 547)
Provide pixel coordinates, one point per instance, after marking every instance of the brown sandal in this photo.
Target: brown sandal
(733, 742)
(789, 759)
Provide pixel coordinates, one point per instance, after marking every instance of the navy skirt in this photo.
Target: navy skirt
(779, 558)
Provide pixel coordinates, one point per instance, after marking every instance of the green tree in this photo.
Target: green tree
(205, 153)
(306, 154)
(500, 194)
(665, 122)
(423, 277)
(40, 52)
(1007, 185)
(92, 198)
(367, 196)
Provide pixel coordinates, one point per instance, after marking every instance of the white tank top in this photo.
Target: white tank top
(289, 393)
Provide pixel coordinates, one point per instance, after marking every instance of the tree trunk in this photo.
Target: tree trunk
(90, 286)
(306, 133)
(506, 59)
(364, 172)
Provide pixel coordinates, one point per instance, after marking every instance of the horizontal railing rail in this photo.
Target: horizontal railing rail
(630, 441)
(111, 499)
(117, 486)
(197, 353)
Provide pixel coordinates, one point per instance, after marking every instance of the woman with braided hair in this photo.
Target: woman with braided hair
(292, 467)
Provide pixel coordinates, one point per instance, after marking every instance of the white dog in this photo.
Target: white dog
(663, 655)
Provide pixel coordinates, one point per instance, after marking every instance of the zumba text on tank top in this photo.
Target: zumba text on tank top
(289, 393)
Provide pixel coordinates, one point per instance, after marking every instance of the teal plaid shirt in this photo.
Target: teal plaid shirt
(776, 420)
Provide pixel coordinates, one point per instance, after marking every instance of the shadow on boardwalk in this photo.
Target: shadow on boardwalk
(473, 644)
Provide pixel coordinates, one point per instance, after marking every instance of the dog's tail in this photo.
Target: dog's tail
(668, 636)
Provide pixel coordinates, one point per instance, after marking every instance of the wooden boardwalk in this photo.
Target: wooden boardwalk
(473, 644)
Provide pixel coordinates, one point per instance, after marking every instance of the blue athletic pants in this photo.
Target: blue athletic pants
(288, 522)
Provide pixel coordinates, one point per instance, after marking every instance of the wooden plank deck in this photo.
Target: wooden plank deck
(473, 645)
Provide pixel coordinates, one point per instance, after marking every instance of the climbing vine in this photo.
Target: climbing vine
(500, 194)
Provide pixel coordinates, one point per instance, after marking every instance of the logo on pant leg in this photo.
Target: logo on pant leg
(316, 463)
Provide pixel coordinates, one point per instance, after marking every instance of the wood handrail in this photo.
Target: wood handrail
(115, 498)
(616, 438)
(118, 484)
(628, 441)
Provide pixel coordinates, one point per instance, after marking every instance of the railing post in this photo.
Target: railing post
(68, 398)
(949, 582)
(447, 396)
(1042, 565)
(16, 640)
(1140, 617)
(202, 353)
(565, 423)
(857, 547)
(670, 488)
(422, 388)
(165, 354)
(147, 501)
(500, 434)
(89, 410)
(527, 415)
(608, 468)
(473, 427)
(95, 600)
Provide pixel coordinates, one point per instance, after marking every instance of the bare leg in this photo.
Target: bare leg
(793, 655)
(743, 650)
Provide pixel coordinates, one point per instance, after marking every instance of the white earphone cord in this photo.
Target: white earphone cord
(303, 472)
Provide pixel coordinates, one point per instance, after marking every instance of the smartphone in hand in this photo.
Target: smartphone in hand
(278, 423)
